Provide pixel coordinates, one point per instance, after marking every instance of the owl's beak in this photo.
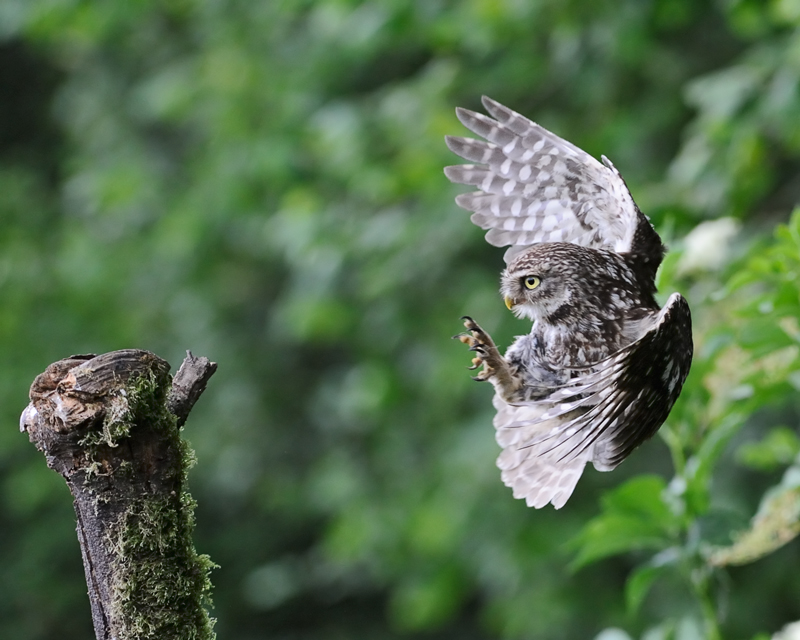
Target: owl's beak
(509, 303)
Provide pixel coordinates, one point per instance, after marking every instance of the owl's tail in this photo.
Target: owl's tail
(533, 471)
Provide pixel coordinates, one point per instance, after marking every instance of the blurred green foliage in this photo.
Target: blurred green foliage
(261, 182)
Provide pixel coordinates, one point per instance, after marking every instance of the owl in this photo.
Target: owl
(603, 364)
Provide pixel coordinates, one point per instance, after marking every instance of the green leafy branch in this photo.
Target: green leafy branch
(742, 365)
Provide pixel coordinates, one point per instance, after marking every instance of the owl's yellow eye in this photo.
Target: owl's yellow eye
(531, 282)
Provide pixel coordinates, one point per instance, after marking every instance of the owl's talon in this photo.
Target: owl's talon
(470, 324)
(486, 352)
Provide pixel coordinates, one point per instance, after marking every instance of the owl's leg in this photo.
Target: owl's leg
(496, 368)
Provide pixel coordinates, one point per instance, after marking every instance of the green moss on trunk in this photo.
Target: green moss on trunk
(160, 584)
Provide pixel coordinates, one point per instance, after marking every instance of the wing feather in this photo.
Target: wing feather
(599, 417)
(536, 187)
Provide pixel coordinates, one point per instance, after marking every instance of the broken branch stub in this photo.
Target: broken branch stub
(109, 425)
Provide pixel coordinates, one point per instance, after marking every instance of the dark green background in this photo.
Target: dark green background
(261, 182)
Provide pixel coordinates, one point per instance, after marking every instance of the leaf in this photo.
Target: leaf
(714, 527)
(642, 578)
(685, 628)
(638, 586)
(612, 633)
(700, 467)
(788, 632)
(663, 631)
(776, 523)
(778, 448)
(634, 517)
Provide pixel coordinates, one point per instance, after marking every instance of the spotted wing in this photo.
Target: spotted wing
(536, 187)
(600, 417)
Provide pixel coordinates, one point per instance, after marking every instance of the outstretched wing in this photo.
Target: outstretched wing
(537, 187)
(599, 417)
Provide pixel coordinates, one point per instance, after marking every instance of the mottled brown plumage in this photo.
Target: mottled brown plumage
(603, 365)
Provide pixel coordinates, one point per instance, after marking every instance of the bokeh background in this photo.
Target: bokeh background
(261, 183)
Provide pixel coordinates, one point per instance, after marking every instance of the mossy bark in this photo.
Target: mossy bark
(110, 426)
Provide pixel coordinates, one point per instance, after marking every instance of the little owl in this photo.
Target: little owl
(603, 364)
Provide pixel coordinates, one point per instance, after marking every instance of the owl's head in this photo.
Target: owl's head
(550, 280)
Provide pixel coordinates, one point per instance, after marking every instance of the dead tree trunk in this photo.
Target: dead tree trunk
(110, 426)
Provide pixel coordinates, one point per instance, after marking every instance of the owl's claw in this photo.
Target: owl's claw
(481, 344)
(476, 362)
(474, 327)
(495, 368)
(483, 376)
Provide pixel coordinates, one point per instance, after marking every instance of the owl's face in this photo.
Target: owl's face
(548, 280)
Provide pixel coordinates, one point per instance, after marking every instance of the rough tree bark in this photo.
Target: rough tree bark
(110, 426)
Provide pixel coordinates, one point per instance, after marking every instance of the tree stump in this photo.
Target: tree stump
(110, 426)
